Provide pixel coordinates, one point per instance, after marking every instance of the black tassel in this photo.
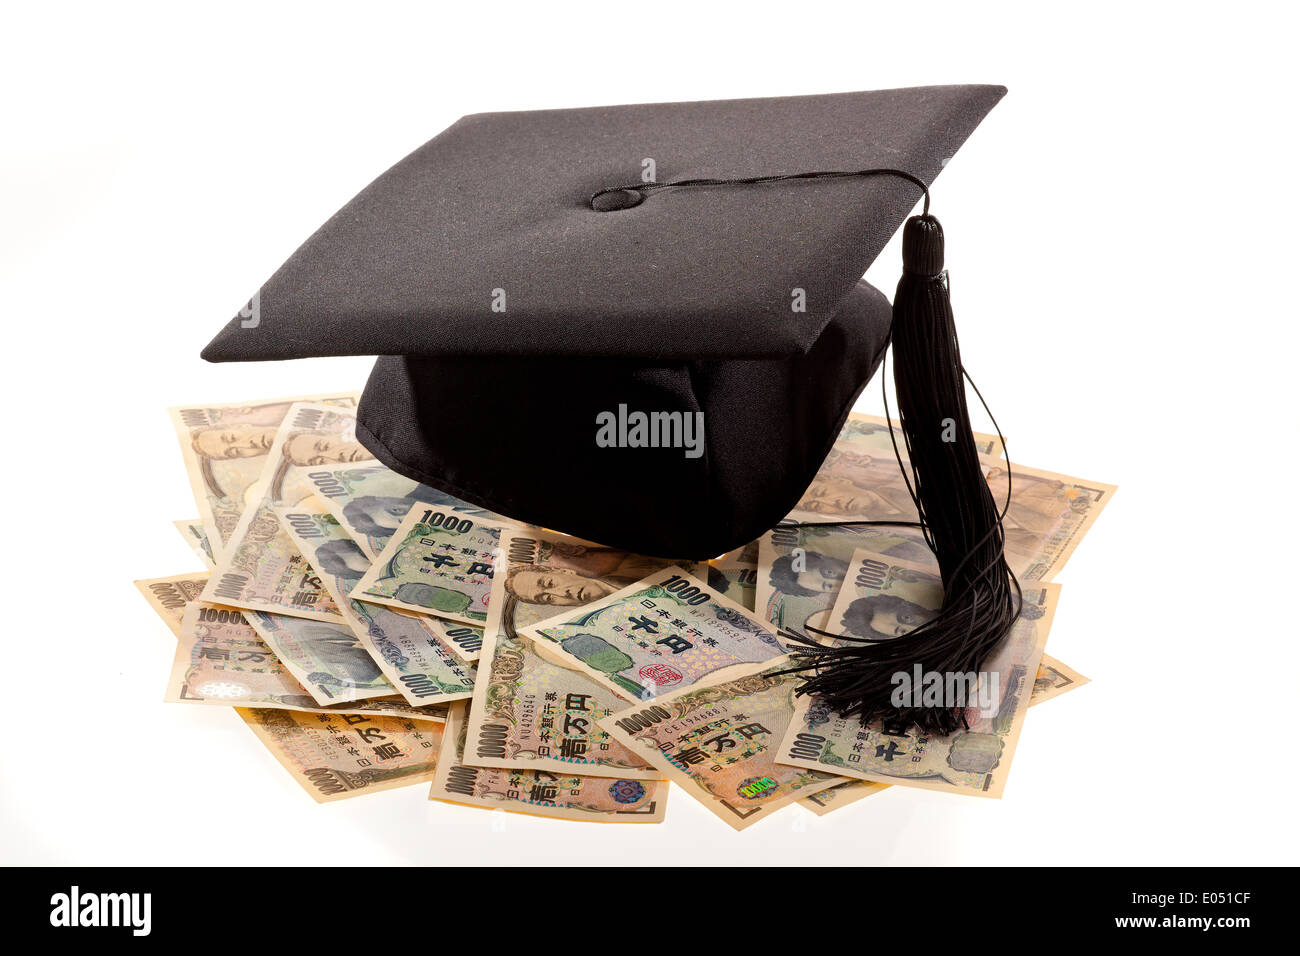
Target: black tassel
(959, 518)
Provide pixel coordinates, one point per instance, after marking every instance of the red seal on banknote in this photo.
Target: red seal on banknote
(661, 675)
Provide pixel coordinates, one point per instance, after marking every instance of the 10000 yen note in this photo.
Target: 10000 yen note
(1047, 516)
(662, 634)
(973, 761)
(437, 562)
(370, 501)
(568, 796)
(412, 654)
(191, 529)
(336, 756)
(860, 478)
(532, 709)
(718, 740)
(1054, 679)
(172, 595)
(261, 570)
(225, 447)
(222, 661)
(800, 569)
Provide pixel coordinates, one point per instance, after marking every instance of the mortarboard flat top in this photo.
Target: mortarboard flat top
(680, 303)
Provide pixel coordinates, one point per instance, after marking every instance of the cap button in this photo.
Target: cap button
(617, 199)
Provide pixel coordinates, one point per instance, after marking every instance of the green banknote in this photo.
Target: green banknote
(437, 562)
(800, 569)
(261, 569)
(413, 655)
(973, 761)
(735, 574)
(225, 447)
(663, 633)
(718, 740)
(336, 756)
(370, 501)
(541, 792)
(221, 660)
(1053, 679)
(532, 708)
(325, 657)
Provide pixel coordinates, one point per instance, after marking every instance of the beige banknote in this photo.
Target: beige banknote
(540, 792)
(410, 651)
(861, 479)
(1054, 679)
(800, 569)
(261, 570)
(532, 709)
(336, 756)
(718, 740)
(191, 529)
(222, 661)
(170, 596)
(840, 796)
(973, 761)
(1048, 515)
(661, 634)
(225, 447)
(438, 562)
(370, 501)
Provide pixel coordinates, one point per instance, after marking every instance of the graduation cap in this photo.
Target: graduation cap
(645, 325)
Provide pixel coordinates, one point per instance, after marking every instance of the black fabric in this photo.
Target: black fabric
(502, 201)
(681, 302)
(517, 435)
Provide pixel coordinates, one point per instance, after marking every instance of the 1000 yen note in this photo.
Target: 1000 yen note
(172, 595)
(225, 447)
(884, 597)
(662, 634)
(1054, 679)
(413, 655)
(718, 739)
(437, 562)
(261, 569)
(974, 761)
(532, 709)
(567, 796)
(221, 660)
(336, 756)
(800, 569)
(325, 657)
(370, 501)
(735, 574)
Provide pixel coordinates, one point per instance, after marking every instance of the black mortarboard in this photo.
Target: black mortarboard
(527, 311)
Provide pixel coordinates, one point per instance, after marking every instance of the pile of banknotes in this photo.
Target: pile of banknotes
(374, 632)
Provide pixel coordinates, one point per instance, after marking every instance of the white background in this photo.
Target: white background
(1122, 255)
